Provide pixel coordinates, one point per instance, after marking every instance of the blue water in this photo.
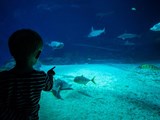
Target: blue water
(70, 22)
(121, 94)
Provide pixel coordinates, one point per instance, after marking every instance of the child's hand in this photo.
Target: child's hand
(51, 71)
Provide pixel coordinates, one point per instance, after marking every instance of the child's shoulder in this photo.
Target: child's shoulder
(10, 72)
(39, 71)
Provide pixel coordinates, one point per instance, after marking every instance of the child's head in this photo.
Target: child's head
(25, 44)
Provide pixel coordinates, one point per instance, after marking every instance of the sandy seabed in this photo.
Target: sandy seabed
(120, 93)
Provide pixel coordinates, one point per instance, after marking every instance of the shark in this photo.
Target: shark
(58, 86)
(128, 36)
(95, 33)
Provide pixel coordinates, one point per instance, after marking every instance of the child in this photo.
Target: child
(20, 87)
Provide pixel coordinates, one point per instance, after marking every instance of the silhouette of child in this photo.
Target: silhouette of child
(20, 87)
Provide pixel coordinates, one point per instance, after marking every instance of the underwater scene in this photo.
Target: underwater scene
(106, 55)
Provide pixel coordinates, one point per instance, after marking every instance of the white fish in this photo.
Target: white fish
(128, 35)
(133, 8)
(156, 27)
(95, 33)
(56, 45)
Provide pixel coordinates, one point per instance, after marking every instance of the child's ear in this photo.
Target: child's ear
(38, 54)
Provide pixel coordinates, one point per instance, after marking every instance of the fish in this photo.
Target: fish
(56, 44)
(149, 67)
(133, 8)
(83, 80)
(8, 65)
(155, 27)
(95, 33)
(58, 86)
(128, 36)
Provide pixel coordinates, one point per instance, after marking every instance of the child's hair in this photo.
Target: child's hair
(23, 43)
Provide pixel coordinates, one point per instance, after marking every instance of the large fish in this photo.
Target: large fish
(95, 33)
(156, 27)
(58, 86)
(83, 80)
(128, 36)
(56, 45)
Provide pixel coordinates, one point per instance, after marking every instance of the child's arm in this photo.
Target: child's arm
(49, 79)
(51, 72)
